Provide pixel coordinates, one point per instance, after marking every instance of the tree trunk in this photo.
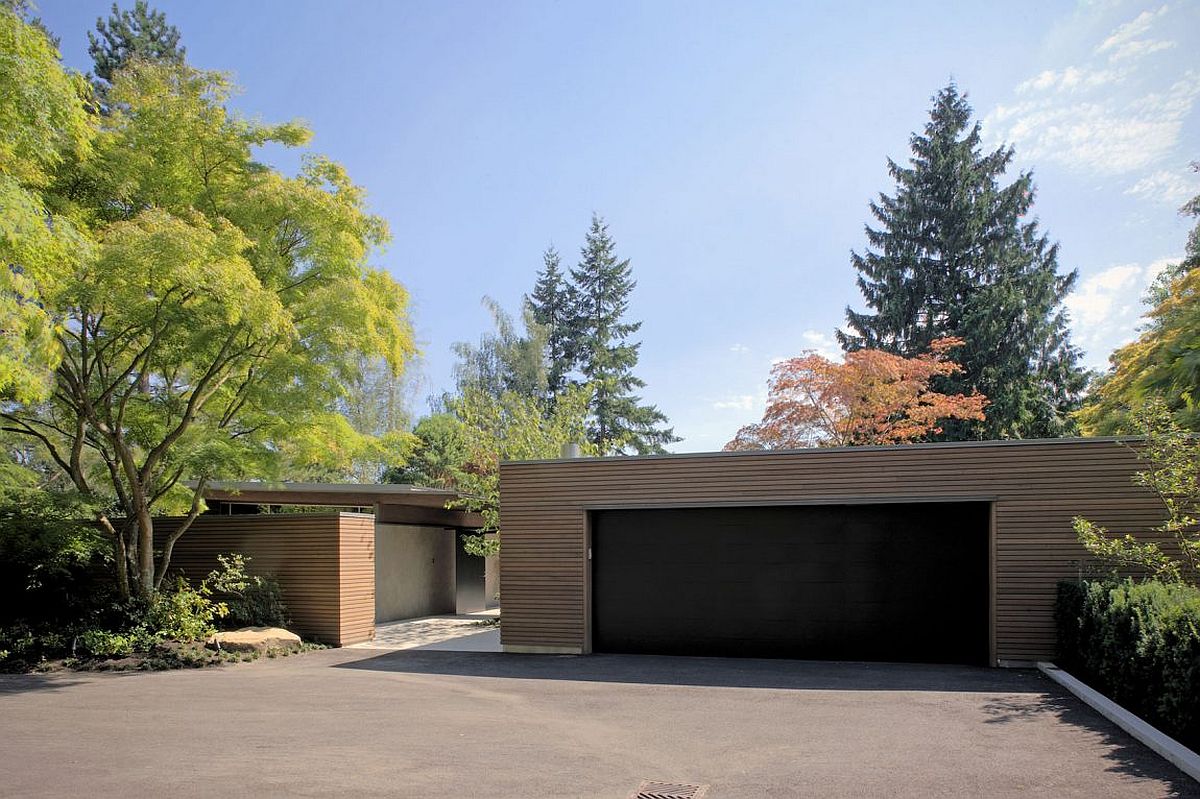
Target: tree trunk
(145, 554)
(120, 556)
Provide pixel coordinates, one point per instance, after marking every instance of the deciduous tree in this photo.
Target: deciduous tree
(43, 126)
(874, 397)
(1164, 362)
(210, 330)
(439, 454)
(509, 427)
(1172, 458)
(956, 255)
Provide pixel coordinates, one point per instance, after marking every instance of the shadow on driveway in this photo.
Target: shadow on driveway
(713, 672)
(1128, 756)
(1005, 696)
(26, 683)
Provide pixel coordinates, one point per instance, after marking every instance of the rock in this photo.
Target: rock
(254, 639)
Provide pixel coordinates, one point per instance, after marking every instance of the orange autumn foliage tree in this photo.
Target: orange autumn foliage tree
(874, 397)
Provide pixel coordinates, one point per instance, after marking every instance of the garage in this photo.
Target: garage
(940, 552)
(887, 582)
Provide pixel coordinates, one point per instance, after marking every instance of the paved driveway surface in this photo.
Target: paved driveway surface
(452, 724)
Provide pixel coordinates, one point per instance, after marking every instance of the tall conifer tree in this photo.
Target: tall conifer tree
(618, 422)
(551, 304)
(956, 256)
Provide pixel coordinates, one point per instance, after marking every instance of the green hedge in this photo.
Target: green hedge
(1138, 643)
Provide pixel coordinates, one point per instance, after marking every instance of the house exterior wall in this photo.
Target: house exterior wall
(414, 571)
(1035, 487)
(325, 564)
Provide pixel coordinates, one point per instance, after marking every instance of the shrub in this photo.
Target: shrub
(53, 567)
(1138, 642)
(184, 614)
(252, 600)
(102, 643)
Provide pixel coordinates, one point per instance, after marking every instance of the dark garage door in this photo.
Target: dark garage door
(835, 582)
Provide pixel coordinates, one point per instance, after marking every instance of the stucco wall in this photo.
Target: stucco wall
(414, 571)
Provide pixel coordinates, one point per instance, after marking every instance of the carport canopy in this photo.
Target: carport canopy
(392, 503)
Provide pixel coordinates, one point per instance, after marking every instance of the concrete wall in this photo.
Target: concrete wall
(414, 571)
(491, 582)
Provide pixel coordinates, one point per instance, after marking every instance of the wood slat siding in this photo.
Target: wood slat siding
(1036, 488)
(320, 560)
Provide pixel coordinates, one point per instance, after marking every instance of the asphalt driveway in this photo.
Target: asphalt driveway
(358, 722)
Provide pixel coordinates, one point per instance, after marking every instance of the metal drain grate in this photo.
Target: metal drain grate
(651, 789)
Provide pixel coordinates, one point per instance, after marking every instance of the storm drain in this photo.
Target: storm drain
(650, 789)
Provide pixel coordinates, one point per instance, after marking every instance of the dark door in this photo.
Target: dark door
(833, 582)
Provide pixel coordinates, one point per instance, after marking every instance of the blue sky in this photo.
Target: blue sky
(731, 147)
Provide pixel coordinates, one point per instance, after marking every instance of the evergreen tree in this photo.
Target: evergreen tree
(956, 256)
(600, 293)
(551, 305)
(142, 34)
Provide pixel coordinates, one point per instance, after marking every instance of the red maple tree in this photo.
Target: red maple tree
(873, 397)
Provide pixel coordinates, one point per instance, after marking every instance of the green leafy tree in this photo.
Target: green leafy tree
(43, 126)
(510, 427)
(504, 360)
(24, 9)
(1173, 474)
(140, 34)
(209, 331)
(956, 256)
(552, 309)
(438, 456)
(617, 419)
(375, 404)
(1164, 362)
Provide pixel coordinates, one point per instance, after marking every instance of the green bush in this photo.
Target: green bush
(184, 614)
(54, 569)
(252, 600)
(102, 643)
(1139, 643)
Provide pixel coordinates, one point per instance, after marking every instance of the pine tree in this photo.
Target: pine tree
(142, 33)
(956, 256)
(601, 287)
(551, 304)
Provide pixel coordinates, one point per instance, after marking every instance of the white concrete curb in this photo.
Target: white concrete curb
(1185, 759)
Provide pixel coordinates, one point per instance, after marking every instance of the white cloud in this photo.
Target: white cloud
(1106, 308)
(1104, 136)
(1070, 79)
(1141, 48)
(1172, 188)
(1113, 113)
(1124, 42)
(822, 343)
(738, 402)
(739, 349)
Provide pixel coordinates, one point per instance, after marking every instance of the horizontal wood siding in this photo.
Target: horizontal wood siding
(1036, 488)
(307, 552)
(356, 578)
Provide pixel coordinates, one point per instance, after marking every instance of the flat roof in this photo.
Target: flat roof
(337, 494)
(753, 453)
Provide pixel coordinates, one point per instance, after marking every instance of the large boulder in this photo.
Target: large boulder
(254, 639)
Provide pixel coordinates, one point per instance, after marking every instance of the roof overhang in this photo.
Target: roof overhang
(394, 504)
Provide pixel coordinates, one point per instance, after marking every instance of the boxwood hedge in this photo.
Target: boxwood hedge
(1138, 643)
